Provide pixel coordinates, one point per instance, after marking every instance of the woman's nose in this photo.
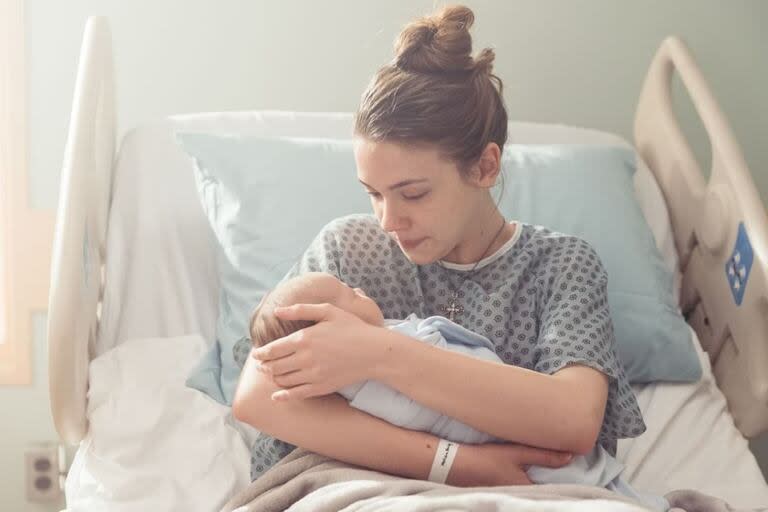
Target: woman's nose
(390, 221)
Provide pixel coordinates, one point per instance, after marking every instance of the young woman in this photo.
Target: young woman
(429, 132)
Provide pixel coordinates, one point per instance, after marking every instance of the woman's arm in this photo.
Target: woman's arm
(329, 426)
(563, 411)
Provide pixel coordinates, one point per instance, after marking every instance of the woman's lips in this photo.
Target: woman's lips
(411, 244)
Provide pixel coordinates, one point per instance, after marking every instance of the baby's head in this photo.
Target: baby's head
(310, 288)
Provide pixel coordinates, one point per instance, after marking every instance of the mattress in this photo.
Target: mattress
(160, 282)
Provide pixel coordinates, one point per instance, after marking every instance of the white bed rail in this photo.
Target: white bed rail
(79, 240)
(721, 233)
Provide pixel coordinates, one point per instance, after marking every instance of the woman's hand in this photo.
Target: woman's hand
(340, 349)
(492, 464)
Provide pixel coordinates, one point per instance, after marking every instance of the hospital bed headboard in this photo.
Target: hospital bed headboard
(80, 235)
(709, 220)
(721, 234)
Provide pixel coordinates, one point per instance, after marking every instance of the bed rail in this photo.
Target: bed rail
(79, 239)
(721, 234)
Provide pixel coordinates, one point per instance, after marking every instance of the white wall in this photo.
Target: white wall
(26, 420)
(576, 62)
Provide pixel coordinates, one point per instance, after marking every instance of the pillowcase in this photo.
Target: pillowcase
(266, 199)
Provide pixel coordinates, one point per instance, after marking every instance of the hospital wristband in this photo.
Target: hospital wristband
(441, 465)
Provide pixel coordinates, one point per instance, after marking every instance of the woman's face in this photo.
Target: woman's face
(419, 197)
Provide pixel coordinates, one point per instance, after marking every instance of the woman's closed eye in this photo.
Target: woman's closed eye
(407, 197)
(415, 197)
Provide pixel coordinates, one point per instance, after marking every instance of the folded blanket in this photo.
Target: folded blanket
(316, 483)
(305, 481)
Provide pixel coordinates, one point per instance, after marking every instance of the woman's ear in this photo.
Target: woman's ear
(485, 172)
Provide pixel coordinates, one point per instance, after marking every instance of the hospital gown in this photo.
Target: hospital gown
(540, 299)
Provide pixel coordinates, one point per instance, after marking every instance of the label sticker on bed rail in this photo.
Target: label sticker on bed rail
(739, 264)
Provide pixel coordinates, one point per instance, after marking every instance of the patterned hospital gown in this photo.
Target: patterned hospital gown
(542, 302)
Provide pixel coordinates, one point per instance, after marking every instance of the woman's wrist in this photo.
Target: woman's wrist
(388, 350)
(461, 471)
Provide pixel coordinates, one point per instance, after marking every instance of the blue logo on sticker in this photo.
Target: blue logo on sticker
(739, 264)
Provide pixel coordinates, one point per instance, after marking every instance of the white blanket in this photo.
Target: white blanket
(154, 444)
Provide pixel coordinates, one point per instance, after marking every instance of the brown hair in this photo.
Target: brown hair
(435, 92)
(265, 327)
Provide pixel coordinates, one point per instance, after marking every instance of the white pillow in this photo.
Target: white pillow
(153, 443)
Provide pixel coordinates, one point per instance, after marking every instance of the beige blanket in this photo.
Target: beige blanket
(305, 481)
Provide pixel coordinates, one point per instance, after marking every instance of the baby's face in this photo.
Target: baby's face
(315, 287)
(355, 301)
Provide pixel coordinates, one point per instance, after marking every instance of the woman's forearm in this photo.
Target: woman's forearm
(559, 412)
(329, 426)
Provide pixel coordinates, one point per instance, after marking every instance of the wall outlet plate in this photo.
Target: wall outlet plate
(41, 463)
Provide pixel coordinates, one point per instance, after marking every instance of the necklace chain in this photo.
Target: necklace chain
(454, 308)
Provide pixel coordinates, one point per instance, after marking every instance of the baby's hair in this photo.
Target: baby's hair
(266, 327)
(435, 92)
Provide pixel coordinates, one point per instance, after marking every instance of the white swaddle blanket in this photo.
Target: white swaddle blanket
(598, 468)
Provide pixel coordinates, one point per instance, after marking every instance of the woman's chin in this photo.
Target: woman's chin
(418, 257)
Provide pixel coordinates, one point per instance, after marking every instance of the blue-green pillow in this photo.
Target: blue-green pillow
(588, 191)
(266, 199)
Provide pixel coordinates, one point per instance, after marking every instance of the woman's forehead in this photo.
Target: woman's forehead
(387, 164)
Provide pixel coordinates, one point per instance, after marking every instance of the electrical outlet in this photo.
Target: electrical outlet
(42, 472)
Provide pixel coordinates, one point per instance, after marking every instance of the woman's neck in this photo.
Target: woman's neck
(482, 242)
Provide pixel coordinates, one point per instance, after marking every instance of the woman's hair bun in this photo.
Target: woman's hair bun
(441, 44)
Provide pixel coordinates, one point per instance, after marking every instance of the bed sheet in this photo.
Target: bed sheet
(691, 442)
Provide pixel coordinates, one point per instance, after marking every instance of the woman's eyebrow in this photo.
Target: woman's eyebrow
(397, 185)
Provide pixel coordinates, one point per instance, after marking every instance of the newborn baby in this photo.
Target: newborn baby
(598, 468)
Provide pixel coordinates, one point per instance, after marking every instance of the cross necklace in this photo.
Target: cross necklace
(454, 308)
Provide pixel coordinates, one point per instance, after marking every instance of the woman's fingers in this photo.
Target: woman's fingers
(297, 393)
(279, 348)
(308, 312)
(531, 456)
(291, 380)
(276, 367)
(523, 479)
(289, 344)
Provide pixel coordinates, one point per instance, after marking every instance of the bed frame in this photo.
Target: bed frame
(720, 227)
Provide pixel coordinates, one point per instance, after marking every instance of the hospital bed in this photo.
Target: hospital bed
(134, 295)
